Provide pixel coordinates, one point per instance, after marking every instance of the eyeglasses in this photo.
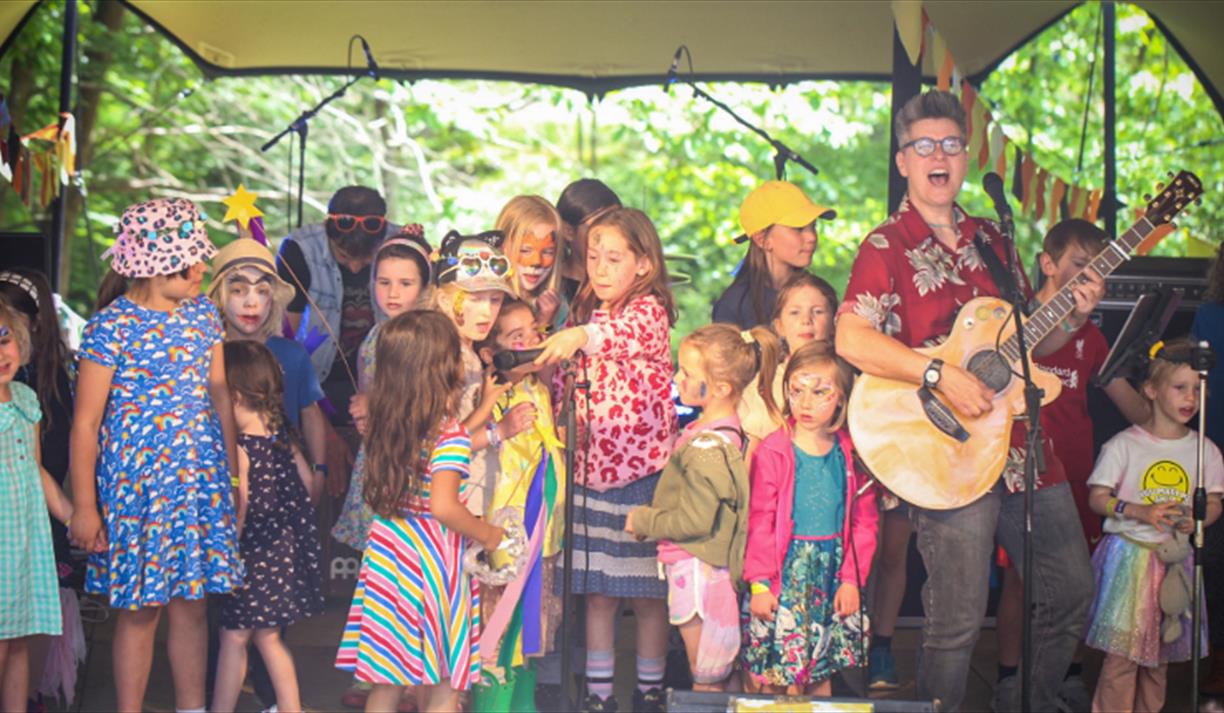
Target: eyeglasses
(346, 223)
(925, 146)
(471, 265)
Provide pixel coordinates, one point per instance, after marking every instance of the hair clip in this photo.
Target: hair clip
(746, 335)
(1155, 349)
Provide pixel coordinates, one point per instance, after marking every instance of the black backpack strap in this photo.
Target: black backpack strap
(743, 449)
(1003, 276)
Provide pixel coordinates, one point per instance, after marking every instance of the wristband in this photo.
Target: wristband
(320, 468)
(1119, 509)
(494, 436)
(759, 588)
(234, 481)
(1068, 327)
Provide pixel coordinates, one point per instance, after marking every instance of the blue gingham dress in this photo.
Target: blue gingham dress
(29, 590)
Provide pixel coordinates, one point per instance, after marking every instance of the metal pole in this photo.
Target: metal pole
(1109, 203)
(54, 245)
(906, 83)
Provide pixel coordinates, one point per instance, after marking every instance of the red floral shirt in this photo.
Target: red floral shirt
(910, 286)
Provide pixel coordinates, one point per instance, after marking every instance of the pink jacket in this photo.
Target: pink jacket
(772, 501)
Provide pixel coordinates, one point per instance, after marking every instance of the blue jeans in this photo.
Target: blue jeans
(957, 547)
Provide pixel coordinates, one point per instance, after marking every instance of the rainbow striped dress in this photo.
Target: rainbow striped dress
(415, 616)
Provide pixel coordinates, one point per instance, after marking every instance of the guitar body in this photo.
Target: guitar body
(913, 458)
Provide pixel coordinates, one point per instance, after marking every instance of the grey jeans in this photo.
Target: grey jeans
(956, 547)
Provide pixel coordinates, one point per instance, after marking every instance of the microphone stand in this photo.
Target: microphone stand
(301, 127)
(1203, 360)
(782, 152)
(569, 405)
(1032, 463)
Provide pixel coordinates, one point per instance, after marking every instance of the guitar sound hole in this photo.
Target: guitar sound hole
(991, 368)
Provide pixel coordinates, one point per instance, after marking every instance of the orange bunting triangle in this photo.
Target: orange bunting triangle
(1094, 204)
(1056, 195)
(1040, 190)
(1027, 169)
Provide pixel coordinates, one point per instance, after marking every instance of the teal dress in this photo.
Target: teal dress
(29, 590)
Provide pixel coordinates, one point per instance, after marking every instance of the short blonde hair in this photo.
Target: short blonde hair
(516, 220)
(16, 322)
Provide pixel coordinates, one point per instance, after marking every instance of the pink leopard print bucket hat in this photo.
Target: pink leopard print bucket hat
(159, 237)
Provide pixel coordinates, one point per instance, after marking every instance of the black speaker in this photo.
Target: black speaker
(713, 702)
(23, 250)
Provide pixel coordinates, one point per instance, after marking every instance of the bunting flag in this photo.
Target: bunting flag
(38, 163)
(1041, 190)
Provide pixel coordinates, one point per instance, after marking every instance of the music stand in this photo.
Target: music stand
(1144, 325)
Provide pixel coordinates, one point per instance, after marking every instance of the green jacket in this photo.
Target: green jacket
(701, 503)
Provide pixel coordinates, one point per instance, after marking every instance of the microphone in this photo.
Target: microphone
(993, 185)
(511, 360)
(371, 65)
(671, 73)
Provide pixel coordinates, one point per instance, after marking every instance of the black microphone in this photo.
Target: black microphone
(993, 185)
(671, 73)
(371, 65)
(511, 360)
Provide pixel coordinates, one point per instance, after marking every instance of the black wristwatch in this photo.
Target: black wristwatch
(930, 375)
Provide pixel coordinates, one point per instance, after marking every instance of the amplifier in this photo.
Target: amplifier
(23, 250)
(1143, 274)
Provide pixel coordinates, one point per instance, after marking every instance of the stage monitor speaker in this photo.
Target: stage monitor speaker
(23, 250)
(717, 702)
(1122, 290)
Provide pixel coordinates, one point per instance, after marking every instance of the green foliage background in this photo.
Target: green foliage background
(449, 154)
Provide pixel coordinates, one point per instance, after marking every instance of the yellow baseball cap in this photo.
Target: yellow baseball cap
(779, 202)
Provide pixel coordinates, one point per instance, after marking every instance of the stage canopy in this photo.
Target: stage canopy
(599, 46)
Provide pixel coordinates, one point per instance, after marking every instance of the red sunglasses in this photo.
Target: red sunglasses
(346, 223)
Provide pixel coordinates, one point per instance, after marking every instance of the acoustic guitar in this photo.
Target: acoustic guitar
(930, 455)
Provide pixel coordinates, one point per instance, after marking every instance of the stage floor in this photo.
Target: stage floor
(314, 647)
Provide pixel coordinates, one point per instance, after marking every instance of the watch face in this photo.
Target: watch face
(931, 377)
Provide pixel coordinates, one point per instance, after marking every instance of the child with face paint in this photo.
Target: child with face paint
(1142, 485)
(625, 434)
(811, 535)
(29, 587)
(252, 298)
(519, 626)
(401, 274)
(699, 512)
(153, 449)
(472, 278)
(532, 229)
(803, 313)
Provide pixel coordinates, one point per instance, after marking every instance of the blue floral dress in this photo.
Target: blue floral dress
(29, 591)
(163, 480)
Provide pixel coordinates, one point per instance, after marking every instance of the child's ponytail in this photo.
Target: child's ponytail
(112, 287)
(769, 347)
(735, 356)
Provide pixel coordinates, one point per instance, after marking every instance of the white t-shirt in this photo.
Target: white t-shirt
(1141, 468)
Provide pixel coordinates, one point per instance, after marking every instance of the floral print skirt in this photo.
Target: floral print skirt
(806, 643)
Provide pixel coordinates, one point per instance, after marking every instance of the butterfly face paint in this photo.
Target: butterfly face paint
(813, 397)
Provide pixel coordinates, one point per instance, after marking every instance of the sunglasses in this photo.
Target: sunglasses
(925, 146)
(346, 223)
(471, 265)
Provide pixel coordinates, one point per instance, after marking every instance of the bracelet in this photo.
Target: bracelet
(494, 435)
(1068, 327)
(759, 588)
(235, 481)
(68, 523)
(320, 468)
(1119, 509)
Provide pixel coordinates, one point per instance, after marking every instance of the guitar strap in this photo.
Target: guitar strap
(1003, 276)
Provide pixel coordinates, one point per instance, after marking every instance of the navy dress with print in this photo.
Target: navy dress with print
(279, 544)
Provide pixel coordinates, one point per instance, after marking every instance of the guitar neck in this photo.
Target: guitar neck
(1060, 305)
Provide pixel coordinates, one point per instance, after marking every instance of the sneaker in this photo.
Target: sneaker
(650, 701)
(1073, 695)
(883, 670)
(594, 704)
(1006, 695)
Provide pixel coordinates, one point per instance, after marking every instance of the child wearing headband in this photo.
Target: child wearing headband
(1142, 486)
(153, 449)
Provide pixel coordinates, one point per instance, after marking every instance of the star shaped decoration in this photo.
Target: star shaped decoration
(241, 207)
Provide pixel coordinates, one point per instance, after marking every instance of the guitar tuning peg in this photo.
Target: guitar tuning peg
(1147, 197)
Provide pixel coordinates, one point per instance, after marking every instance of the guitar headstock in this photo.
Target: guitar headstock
(1183, 189)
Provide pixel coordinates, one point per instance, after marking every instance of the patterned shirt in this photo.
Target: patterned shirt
(910, 286)
(632, 420)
